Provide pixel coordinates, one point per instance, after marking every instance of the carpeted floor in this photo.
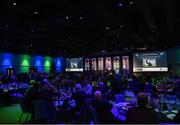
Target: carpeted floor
(11, 114)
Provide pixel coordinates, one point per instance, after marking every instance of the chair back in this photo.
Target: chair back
(41, 109)
(120, 98)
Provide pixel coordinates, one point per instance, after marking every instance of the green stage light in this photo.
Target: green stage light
(47, 64)
(24, 63)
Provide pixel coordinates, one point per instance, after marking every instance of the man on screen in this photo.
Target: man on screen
(148, 63)
(73, 65)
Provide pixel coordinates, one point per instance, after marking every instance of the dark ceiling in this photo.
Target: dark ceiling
(80, 27)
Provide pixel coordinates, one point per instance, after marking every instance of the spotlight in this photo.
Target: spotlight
(121, 26)
(103, 51)
(67, 17)
(131, 2)
(107, 28)
(35, 12)
(120, 4)
(14, 4)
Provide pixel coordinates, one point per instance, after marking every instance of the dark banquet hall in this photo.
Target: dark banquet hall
(90, 62)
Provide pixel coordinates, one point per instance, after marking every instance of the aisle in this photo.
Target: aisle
(10, 114)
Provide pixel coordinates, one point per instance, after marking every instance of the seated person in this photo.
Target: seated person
(79, 96)
(87, 88)
(142, 114)
(103, 89)
(102, 108)
(67, 112)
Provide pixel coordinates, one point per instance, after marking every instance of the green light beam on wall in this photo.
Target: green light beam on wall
(47, 64)
(24, 63)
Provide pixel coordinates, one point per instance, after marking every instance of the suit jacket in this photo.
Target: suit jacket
(141, 115)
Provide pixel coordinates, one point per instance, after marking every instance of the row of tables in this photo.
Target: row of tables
(14, 90)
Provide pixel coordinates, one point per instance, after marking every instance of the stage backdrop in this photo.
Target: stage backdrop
(23, 62)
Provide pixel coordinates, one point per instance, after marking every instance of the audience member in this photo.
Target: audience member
(79, 96)
(103, 108)
(41, 85)
(87, 87)
(142, 114)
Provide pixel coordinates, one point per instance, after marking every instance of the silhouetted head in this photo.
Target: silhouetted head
(142, 99)
(98, 95)
(78, 86)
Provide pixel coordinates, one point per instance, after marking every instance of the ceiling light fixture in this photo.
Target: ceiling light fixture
(14, 4)
(107, 28)
(120, 4)
(103, 51)
(67, 17)
(131, 2)
(35, 12)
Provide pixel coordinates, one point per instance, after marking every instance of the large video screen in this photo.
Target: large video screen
(155, 61)
(74, 65)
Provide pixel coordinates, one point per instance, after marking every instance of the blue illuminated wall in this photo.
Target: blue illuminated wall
(38, 62)
(22, 62)
(59, 64)
(6, 61)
